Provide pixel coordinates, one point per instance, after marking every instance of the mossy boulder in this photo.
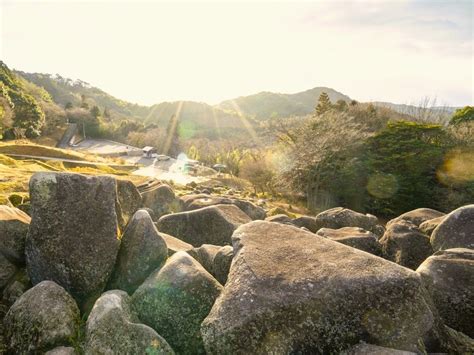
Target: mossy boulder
(291, 291)
(7, 271)
(209, 225)
(142, 250)
(113, 328)
(280, 218)
(456, 230)
(427, 227)
(404, 244)
(175, 300)
(307, 222)
(14, 225)
(44, 317)
(205, 255)
(174, 244)
(62, 350)
(354, 237)
(73, 238)
(370, 349)
(449, 276)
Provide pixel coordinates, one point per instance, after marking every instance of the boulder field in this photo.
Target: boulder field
(100, 266)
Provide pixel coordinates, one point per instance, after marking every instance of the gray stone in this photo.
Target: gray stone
(161, 199)
(129, 200)
(72, 238)
(370, 349)
(354, 237)
(209, 225)
(404, 244)
(280, 218)
(429, 226)
(62, 350)
(456, 230)
(306, 222)
(339, 217)
(449, 276)
(7, 271)
(16, 287)
(290, 291)
(222, 262)
(175, 300)
(417, 216)
(205, 255)
(113, 328)
(14, 225)
(142, 250)
(44, 317)
(175, 244)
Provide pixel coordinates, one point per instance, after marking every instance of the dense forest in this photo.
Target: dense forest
(318, 147)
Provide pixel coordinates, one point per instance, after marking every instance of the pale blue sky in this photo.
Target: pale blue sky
(148, 52)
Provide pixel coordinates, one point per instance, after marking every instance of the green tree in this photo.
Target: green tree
(324, 104)
(95, 112)
(68, 105)
(462, 115)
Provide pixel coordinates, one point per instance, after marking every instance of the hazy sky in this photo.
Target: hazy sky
(148, 52)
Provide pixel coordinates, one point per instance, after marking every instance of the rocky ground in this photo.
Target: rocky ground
(101, 266)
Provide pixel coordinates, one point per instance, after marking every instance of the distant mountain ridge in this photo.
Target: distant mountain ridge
(267, 104)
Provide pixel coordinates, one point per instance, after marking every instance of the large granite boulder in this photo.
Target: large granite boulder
(354, 237)
(456, 230)
(209, 225)
(142, 250)
(290, 291)
(43, 318)
(175, 300)
(427, 227)
(339, 217)
(417, 216)
(449, 276)
(307, 222)
(161, 199)
(370, 349)
(280, 218)
(113, 328)
(174, 244)
(7, 271)
(205, 255)
(222, 262)
(72, 238)
(14, 225)
(129, 200)
(194, 202)
(404, 244)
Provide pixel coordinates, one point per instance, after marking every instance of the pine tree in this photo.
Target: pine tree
(324, 104)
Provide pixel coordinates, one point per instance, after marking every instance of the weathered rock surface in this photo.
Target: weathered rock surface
(72, 238)
(209, 225)
(429, 226)
(129, 200)
(62, 350)
(205, 255)
(307, 222)
(194, 202)
(417, 216)
(290, 291)
(222, 262)
(280, 218)
(404, 244)
(339, 217)
(174, 244)
(175, 300)
(14, 225)
(142, 250)
(370, 349)
(354, 237)
(7, 271)
(43, 318)
(161, 199)
(113, 328)
(456, 230)
(18, 284)
(449, 276)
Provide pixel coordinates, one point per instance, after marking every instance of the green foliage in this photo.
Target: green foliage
(403, 159)
(465, 114)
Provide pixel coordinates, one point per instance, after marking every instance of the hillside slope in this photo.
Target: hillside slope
(266, 104)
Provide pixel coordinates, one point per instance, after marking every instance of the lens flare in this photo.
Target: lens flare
(458, 167)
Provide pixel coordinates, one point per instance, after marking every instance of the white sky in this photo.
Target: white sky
(149, 52)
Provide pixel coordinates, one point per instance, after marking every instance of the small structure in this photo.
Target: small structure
(148, 151)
